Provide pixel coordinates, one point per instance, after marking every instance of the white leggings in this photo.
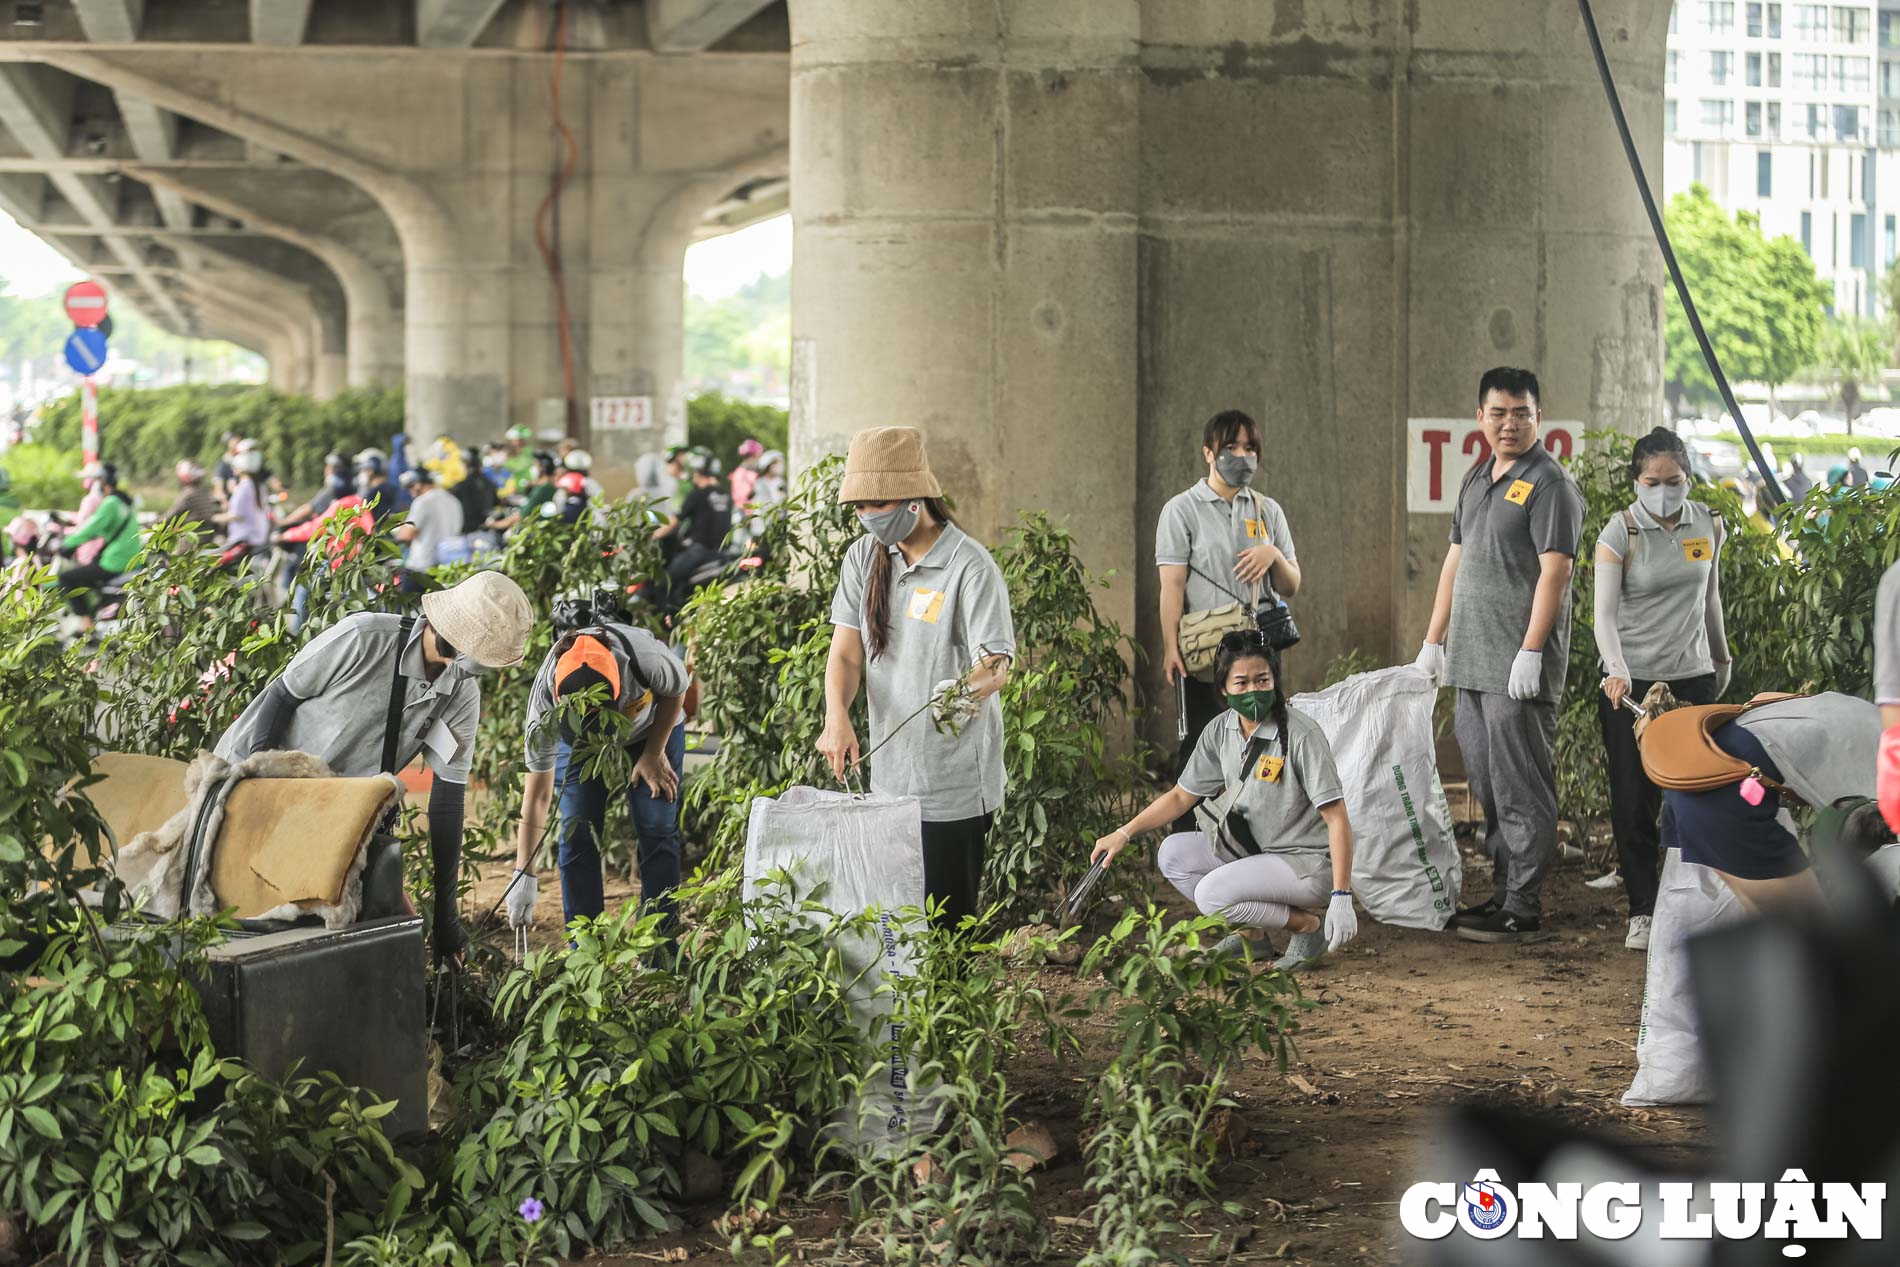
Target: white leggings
(1258, 891)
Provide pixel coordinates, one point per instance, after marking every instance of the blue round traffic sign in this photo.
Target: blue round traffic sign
(86, 351)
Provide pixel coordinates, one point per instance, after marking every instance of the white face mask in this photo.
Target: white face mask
(1662, 500)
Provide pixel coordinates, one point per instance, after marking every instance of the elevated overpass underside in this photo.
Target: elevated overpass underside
(1057, 234)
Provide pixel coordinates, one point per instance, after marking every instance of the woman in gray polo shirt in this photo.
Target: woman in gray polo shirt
(1213, 544)
(921, 617)
(1658, 619)
(1279, 850)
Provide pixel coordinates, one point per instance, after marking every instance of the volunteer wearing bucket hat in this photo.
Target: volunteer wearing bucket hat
(921, 617)
(334, 701)
(644, 682)
(1658, 619)
(1277, 851)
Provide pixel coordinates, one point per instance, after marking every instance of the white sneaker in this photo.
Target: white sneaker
(1639, 933)
(1608, 880)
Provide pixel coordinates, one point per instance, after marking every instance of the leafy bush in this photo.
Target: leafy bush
(719, 423)
(1797, 595)
(145, 431)
(44, 477)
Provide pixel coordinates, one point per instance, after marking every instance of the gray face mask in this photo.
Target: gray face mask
(1237, 468)
(893, 525)
(1662, 500)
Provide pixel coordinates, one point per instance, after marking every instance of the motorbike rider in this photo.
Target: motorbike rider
(117, 526)
(703, 523)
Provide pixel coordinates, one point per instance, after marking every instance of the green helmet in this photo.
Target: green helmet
(521, 433)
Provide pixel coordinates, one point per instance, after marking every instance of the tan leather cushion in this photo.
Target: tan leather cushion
(138, 793)
(293, 840)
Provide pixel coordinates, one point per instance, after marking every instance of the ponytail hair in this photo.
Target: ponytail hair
(1659, 443)
(877, 588)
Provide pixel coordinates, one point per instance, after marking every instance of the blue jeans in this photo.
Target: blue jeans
(656, 823)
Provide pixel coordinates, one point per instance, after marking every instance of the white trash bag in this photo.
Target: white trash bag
(1405, 865)
(1669, 1068)
(864, 852)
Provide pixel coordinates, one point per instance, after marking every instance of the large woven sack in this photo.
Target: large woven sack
(857, 853)
(1669, 1068)
(1405, 865)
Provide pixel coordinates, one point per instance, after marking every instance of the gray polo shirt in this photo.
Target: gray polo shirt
(1663, 619)
(437, 516)
(1280, 796)
(1200, 530)
(949, 611)
(1824, 745)
(1887, 638)
(342, 678)
(1502, 526)
(653, 671)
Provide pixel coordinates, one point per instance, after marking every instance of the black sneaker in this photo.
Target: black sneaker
(1472, 914)
(1499, 926)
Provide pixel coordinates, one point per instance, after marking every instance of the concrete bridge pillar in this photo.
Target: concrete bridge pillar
(1058, 235)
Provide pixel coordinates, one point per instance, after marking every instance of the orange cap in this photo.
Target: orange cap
(587, 652)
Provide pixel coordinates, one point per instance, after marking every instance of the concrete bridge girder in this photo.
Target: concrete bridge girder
(303, 290)
(458, 155)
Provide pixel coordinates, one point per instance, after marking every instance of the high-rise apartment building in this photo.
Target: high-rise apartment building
(1792, 111)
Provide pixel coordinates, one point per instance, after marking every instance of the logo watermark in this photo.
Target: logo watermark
(1791, 1210)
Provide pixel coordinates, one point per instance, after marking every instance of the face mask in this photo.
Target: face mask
(1236, 468)
(1253, 705)
(893, 525)
(1662, 500)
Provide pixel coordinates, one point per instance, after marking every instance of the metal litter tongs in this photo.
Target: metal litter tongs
(1079, 896)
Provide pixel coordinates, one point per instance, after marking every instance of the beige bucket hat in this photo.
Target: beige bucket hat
(887, 464)
(486, 618)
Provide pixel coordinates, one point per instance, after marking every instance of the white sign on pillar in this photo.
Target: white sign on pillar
(1439, 451)
(621, 413)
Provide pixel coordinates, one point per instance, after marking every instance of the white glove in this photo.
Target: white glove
(523, 888)
(1527, 675)
(1431, 661)
(1342, 922)
(1724, 672)
(962, 710)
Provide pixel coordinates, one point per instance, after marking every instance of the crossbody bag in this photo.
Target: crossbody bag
(1201, 632)
(1679, 749)
(1222, 822)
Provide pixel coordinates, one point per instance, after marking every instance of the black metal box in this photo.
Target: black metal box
(347, 1000)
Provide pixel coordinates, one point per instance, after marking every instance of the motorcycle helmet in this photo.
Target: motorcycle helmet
(750, 448)
(372, 461)
(188, 471)
(248, 462)
(580, 460)
(572, 483)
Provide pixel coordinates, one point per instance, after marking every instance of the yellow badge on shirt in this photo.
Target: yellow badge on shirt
(1268, 771)
(1520, 492)
(1256, 529)
(925, 605)
(1697, 549)
(638, 706)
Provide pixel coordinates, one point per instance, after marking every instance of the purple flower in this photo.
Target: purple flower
(532, 1210)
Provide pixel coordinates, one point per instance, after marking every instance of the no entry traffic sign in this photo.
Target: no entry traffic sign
(85, 351)
(86, 304)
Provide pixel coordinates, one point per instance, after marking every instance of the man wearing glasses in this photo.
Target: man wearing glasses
(338, 700)
(1500, 635)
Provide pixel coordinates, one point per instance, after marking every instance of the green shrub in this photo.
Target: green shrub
(145, 431)
(44, 477)
(719, 423)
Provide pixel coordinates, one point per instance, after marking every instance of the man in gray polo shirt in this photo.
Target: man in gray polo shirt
(435, 515)
(1500, 634)
(333, 701)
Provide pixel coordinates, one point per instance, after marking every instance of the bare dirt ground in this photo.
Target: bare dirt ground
(1404, 1024)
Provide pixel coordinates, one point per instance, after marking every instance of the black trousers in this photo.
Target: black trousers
(1635, 802)
(1205, 702)
(953, 866)
(679, 573)
(87, 577)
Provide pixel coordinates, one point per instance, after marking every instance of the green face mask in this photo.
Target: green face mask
(1253, 705)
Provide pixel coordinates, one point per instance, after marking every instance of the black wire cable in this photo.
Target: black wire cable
(1770, 486)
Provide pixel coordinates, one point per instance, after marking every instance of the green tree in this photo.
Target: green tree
(1760, 301)
(1853, 354)
(720, 423)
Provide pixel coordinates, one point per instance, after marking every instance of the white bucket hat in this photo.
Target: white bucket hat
(486, 618)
